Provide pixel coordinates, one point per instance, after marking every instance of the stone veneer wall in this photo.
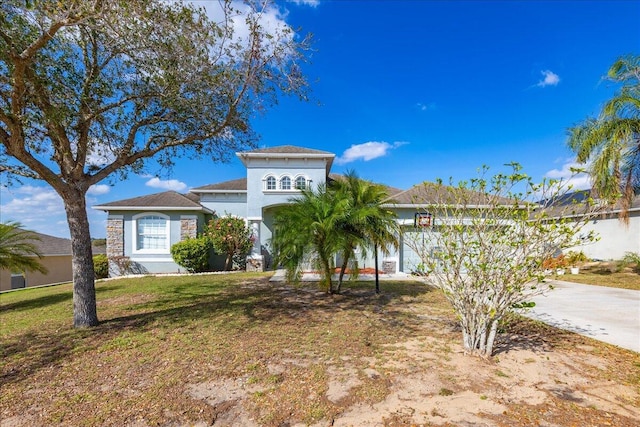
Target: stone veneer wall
(188, 227)
(115, 237)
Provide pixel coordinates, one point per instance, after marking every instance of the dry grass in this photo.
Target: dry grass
(226, 349)
(610, 274)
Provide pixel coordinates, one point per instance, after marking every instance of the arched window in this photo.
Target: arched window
(271, 183)
(151, 233)
(301, 183)
(285, 183)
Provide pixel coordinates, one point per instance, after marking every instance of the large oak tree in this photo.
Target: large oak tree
(91, 90)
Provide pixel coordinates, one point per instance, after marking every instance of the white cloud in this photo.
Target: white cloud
(550, 79)
(271, 18)
(367, 151)
(98, 190)
(569, 176)
(169, 184)
(39, 208)
(312, 3)
(425, 107)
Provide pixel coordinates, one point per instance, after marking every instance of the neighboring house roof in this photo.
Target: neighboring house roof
(50, 245)
(573, 205)
(47, 245)
(234, 185)
(168, 200)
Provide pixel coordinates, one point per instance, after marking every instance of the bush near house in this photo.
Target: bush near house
(101, 266)
(230, 236)
(192, 254)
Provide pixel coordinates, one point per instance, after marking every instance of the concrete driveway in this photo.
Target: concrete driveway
(607, 314)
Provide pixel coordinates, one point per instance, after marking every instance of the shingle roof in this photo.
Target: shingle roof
(47, 245)
(285, 149)
(232, 185)
(50, 245)
(167, 199)
(429, 192)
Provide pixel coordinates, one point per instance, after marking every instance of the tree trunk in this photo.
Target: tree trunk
(227, 262)
(375, 251)
(491, 338)
(327, 272)
(343, 268)
(84, 291)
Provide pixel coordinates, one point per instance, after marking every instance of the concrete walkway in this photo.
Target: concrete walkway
(607, 314)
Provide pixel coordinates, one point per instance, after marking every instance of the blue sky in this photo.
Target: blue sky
(408, 91)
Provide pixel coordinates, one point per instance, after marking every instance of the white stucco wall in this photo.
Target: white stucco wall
(314, 170)
(225, 203)
(615, 238)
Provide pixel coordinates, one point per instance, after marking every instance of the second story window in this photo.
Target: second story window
(285, 183)
(271, 183)
(301, 183)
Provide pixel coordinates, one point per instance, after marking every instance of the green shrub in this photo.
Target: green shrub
(631, 258)
(192, 254)
(230, 236)
(101, 266)
(576, 258)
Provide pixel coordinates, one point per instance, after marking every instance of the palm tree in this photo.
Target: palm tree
(307, 230)
(610, 143)
(17, 251)
(367, 224)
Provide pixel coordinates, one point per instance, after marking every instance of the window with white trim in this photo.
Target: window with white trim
(270, 183)
(285, 183)
(301, 183)
(151, 233)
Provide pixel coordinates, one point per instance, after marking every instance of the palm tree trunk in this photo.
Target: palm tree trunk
(343, 268)
(375, 254)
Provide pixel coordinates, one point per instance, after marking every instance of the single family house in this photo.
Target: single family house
(141, 230)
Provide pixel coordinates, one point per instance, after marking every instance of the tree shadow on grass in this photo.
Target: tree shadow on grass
(37, 303)
(256, 304)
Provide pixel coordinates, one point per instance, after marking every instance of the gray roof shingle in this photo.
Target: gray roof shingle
(232, 185)
(166, 199)
(285, 149)
(48, 245)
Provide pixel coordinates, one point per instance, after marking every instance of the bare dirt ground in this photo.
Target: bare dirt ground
(431, 382)
(300, 357)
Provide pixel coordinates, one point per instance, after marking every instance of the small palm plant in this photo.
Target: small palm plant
(17, 250)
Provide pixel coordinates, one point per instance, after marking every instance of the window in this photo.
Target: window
(285, 183)
(151, 233)
(271, 183)
(301, 183)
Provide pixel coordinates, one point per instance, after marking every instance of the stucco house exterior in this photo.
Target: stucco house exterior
(615, 238)
(142, 229)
